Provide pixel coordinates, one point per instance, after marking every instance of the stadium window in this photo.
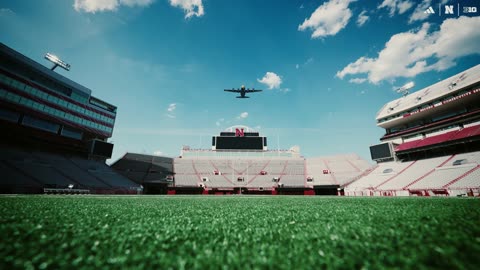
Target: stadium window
(23, 101)
(13, 83)
(16, 98)
(8, 81)
(22, 86)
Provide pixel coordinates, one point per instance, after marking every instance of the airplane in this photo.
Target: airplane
(242, 91)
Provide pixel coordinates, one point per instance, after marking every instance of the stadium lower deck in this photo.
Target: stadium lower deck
(449, 175)
(40, 172)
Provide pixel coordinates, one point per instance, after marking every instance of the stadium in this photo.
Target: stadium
(83, 186)
(58, 139)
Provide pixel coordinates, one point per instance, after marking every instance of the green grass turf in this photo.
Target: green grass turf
(185, 232)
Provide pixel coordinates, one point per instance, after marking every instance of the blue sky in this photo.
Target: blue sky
(326, 67)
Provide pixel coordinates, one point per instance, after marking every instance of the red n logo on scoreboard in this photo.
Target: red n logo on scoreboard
(239, 132)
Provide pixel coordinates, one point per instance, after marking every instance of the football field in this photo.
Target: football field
(211, 232)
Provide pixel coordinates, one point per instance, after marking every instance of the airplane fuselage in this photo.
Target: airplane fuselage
(242, 94)
(242, 91)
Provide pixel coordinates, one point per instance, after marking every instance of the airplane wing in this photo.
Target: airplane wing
(252, 91)
(232, 90)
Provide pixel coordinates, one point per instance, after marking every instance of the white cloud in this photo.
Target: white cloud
(362, 18)
(219, 122)
(417, 51)
(271, 79)
(157, 153)
(419, 12)
(191, 7)
(171, 110)
(307, 62)
(92, 6)
(243, 115)
(285, 90)
(172, 107)
(328, 19)
(396, 6)
(6, 11)
(357, 80)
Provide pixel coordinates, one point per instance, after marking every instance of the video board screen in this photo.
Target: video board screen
(100, 148)
(234, 143)
(380, 151)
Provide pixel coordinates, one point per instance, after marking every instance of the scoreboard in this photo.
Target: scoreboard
(239, 140)
(381, 151)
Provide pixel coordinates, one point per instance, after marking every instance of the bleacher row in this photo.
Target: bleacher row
(142, 168)
(31, 172)
(230, 173)
(341, 169)
(455, 173)
(291, 171)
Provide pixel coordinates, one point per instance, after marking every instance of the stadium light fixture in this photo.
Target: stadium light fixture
(404, 90)
(57, 62)
(70, 186)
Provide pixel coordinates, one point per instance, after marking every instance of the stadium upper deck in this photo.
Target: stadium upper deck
(38, 97)
(430, 100)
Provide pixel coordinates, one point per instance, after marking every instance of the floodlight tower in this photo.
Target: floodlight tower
(57, 62)
(404, 90)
